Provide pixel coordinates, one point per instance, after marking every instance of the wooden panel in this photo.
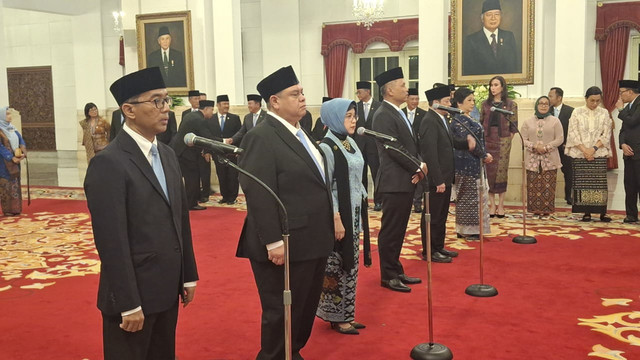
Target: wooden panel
(31, 93)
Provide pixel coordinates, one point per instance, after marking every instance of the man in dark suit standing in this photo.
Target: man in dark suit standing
(630, 145)
(415, 114)
(306, 122)
(563, 112)
(397, 179)
(491, 50)
(366, 107)
(117, 120)
(140, 226)
(436, 148)
(228, 124)
(194, 100)
(320, 129)
(253, 118)
(169, 60)
(282, 155)
(188, 157)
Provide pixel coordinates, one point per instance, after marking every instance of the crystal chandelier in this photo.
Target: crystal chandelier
(117, 20)
(367, 11)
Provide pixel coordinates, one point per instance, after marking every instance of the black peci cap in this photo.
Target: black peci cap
(279, 80)
(136, 83)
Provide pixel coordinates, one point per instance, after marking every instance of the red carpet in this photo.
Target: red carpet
(545, 291)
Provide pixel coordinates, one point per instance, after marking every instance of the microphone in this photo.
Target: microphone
(192, 140)
(447, 108)
(507, 112)
(375, 134)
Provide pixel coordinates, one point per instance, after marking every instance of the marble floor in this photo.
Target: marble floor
(67, 169)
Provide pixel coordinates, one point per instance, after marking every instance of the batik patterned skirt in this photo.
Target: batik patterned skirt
(10, 196)
(541, 191)
(590, 191)
(467, 211)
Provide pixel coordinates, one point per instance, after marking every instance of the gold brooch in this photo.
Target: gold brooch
(346, 144)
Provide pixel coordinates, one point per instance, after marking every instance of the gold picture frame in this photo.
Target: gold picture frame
(471, 52)
(177, 66)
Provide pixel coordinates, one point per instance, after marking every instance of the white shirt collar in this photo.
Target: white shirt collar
(166, 51)
(369, 102)
(488, 33)
(559, 107)
(143, 144)
(395, 107)
(293, 129)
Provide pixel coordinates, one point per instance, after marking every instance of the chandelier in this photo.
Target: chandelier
(367, 11)
(117, 20)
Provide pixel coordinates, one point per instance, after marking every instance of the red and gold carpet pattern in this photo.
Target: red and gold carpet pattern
(573, 295)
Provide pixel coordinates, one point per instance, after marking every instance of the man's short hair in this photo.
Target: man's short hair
(558, 91)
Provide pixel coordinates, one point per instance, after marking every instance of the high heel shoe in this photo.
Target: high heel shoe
(357, 325)
(351, 330)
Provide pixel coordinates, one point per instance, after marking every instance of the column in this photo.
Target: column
(434, 43)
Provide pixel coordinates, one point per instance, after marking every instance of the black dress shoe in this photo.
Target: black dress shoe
(569, 202)
(439, 258)
(377, 207)
(198, 207)
(222, 201)
(351, 330)
(203, 199)
(409, 280)
(448, 253)
(395, 285)
(231, 202)
(630, 219)
(417, 209)
(605, 218)
(474, 237)
(460, 236)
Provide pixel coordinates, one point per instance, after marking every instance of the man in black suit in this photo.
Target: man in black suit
(630, 145)
(194, 100)
(253, 118)
(436, 148)
(319, 128)
(140, 226)
(188, 157)
(415, 114)
(366, 107)
(282, 155)
(117, 120)
(563, 112)
(169, 60)
(306, 122)
(397, 179)
(491, 50)
(228, 124)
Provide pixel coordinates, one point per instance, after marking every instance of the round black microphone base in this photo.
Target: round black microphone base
(431, 351)
(524, 239)
(481, 290)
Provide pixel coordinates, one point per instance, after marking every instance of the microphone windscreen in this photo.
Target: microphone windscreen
(493, 108)
(188, 139)
(436, 106)
(360, 131)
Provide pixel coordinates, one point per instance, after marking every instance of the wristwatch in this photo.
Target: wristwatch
(595, 148)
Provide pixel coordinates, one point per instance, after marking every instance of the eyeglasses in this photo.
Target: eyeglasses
(159, 103)
(543, 104)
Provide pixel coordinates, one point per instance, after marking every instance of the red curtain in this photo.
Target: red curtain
(337, 39)
(613, 25)
(335, 64)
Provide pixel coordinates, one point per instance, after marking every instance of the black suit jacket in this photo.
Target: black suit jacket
(276, 156)
(436, 148)
(478, 58)
(176, 74)
(232, 125)
(143, 240)
(365, 122)
(116, 124)
(306, 122)
(187, 112)
(630, 130)
(395, 172)
(192, 123)
(417, 120)
(247, 124)
(564, 116)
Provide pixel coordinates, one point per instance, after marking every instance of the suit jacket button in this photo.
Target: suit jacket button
(177, 249)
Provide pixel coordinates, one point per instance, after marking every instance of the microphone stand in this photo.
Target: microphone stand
(481, 289)
(524, 238)
(430, 350)
(284, 223)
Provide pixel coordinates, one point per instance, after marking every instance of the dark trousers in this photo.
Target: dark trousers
(305, 279)
(228, 179)
(396, 210)
(156, 340)
(204, 171)
(631, 186)
(439, 210)
(567, 170)
(191, 177)
(371, 159)
(417, 195)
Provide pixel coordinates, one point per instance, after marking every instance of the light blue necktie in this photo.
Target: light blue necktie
(156, 164)
(300, 135)
(222, 122)
(255, 119)
(406, 121)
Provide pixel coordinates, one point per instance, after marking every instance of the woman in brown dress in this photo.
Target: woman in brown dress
(95, 131)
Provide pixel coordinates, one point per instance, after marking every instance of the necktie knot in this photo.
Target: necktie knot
(154, 150)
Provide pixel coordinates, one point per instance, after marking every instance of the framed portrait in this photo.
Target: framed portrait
(492, 37)
(164, 40)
